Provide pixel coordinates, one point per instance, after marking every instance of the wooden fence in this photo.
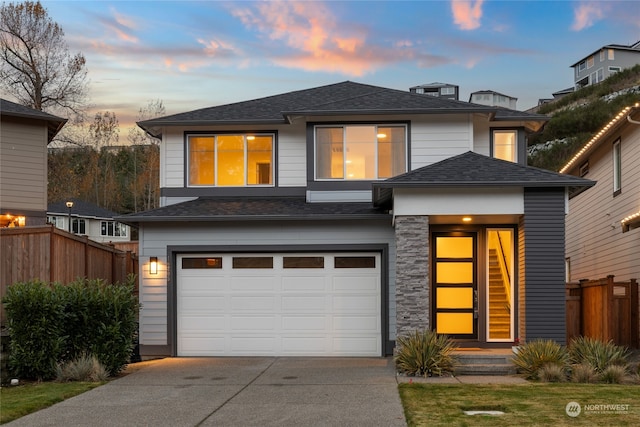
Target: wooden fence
(604, 309)
(53, 255)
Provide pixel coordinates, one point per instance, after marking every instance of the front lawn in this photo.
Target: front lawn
(533, 404)
(18, 401)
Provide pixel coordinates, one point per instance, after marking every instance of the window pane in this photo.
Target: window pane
(252, 262)
(454, 323)
(454, 247)
(454, 272)
(355, 262)
(391, 151)
(259, 155)
(230, 151)
(361, 152)
(617, 167)
(192, 263)
(504, 145)
(454, 297)
(201, 160)
(303, 262)
(329, 153)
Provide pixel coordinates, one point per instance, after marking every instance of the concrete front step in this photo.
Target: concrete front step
(479, 363)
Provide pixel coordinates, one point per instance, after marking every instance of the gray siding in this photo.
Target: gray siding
(23, 167)
(544, 238)
(157, 239)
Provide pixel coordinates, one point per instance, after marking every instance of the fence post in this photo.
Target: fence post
(635, 318)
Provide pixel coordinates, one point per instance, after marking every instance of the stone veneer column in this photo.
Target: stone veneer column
(412, 273)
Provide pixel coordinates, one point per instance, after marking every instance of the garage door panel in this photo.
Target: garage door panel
(292, 311)
(303, 283)
(253, 303)
(298, 304)
(304, 323)
(253, 323)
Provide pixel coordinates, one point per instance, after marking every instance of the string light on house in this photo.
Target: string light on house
(621, 115)
(631, 219)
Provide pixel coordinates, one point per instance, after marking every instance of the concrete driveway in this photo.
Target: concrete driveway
(256, 391)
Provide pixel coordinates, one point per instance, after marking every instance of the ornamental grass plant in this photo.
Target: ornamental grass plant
(537, 354)
(424, 353)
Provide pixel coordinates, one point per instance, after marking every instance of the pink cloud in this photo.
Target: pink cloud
(467, 14)
(586, 14)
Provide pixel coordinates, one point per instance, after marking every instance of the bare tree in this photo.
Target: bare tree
(36, 67)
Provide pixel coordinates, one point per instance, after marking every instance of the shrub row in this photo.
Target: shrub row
(583, 360)
(51, 324)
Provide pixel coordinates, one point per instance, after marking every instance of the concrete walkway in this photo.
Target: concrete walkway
(255, 391)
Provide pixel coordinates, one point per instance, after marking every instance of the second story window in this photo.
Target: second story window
(360, 152)
(617, 168)
(230, 160)
(113, 228)
(78, 226)
(504, 144)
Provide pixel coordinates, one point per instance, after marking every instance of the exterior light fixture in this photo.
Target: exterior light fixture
(153, 265)
(69, 206)
(466, 219)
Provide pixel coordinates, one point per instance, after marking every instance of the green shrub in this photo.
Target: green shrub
(82, 368)
(536, 354)
(60, 323)
(596, 353)
(424, 353)
(35, 318)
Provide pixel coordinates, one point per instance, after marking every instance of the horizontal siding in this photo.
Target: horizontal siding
(438, 137)
(596, 244)
(23, 165)
(544, 238)
(154, 240)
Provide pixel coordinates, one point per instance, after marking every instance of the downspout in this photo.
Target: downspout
(635, 122)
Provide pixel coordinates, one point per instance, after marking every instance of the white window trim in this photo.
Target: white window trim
(344, 166)
(244, 134)
(617, 166)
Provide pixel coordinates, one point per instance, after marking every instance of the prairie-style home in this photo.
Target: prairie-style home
(328, 221)
(24, 135)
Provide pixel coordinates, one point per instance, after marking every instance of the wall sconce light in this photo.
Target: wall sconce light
(153, 265)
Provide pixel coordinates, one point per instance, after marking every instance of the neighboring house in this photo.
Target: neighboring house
(88, 220)
(24, 135)
(441, 90)
(603, 225)
(604, 62)
(492, 98)
(328, 221)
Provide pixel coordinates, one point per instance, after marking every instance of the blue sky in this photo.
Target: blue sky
(204, 53)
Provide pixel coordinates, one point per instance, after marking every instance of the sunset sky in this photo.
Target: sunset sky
(199, 54)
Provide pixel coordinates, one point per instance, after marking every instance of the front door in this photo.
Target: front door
(456, 285)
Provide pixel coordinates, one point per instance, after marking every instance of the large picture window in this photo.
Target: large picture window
(230, 160)
(360, 152)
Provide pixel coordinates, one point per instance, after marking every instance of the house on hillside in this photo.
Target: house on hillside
(441, 90)
(329, 221)
(604, 62)
(86, 219)
(603, 228)
(24, 135)
(493, 98)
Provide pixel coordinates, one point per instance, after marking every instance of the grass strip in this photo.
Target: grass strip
(18, 401)
(533, 404)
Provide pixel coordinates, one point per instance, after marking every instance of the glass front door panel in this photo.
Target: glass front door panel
(455, 280)
(500, 272)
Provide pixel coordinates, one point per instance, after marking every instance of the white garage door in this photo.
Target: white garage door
(285, 304)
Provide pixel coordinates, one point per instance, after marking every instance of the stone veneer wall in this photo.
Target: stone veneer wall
(412, 273)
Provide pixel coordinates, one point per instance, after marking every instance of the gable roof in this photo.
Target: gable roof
(255, 209)
(54, 123)
(339, 98)
(621, 119)
(80, 208)
(474, 170)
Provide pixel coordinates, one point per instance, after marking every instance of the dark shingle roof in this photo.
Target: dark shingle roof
(255, 209)
(475, 170)
(54, 123)
(80, 208)
(339, 98)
